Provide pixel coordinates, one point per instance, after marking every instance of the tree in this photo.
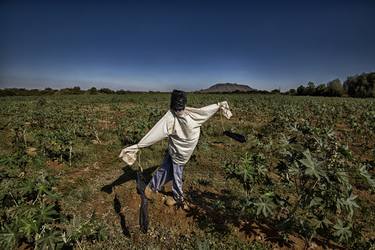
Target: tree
(92, 91)
(121, 92)
(76, 90)
(71, 91)
(321, 90)
(106, 91)
(310, 90)
(301, 90)
(48, 91)
(361, 85)
(291, 92)
(335, 88)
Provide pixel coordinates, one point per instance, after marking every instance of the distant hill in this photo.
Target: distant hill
(228, 87)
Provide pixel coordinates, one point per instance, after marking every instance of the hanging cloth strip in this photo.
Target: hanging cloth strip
(143, 209)
(234, 136)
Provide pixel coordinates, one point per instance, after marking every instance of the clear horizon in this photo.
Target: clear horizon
(162, 45)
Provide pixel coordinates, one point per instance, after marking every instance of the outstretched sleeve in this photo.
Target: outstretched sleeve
(201, 115)
(156, 134)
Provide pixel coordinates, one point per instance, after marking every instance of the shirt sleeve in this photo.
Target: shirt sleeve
(157, 133)
(201, 115)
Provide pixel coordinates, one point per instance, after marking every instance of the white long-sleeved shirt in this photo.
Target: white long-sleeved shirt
(182, 131)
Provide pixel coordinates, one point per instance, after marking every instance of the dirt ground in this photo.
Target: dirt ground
(109, 192)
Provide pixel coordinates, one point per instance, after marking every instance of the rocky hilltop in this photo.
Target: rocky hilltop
(228, 87)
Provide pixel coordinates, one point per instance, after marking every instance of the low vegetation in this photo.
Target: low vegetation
(305, 176)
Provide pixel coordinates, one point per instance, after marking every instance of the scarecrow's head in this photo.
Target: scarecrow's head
(178, 100)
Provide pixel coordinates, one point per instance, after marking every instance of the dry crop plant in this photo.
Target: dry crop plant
(30, 211)
(309, 191)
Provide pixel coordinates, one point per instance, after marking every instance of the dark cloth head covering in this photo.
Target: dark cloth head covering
(178, 100)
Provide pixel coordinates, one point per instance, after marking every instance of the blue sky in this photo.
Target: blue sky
(161, 45)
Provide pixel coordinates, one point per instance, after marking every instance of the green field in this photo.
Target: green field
(305, 176)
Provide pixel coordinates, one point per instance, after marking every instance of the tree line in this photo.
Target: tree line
(355, 86)
(65, 91)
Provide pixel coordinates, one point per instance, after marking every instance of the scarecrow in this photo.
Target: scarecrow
(181, 125)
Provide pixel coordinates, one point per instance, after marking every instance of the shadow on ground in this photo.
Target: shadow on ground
(216, 213)
(209, 211)
(118, 210)
(128, 175)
